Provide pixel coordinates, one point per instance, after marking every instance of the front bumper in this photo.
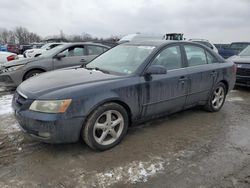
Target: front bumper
(49, 128)
(55, 131)
(243, 81)
(6, 81)
(11, 79)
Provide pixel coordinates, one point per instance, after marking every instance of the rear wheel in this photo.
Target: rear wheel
(217, 98)
(32, 73)
(105, 127)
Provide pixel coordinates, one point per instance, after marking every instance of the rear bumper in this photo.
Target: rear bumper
(243, 81)
(55, 131)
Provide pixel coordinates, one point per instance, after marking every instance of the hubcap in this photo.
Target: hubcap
(218, 97)
(108, 127)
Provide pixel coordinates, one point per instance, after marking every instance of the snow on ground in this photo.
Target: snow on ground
(5, 104)
(12, 128)
(235, 99)
(133, 172)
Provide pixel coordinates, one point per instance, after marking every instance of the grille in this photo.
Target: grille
(243, 72)
(19, 99)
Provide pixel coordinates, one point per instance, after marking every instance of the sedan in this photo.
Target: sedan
(72, 54)
(29, 53)
(243, 67)
(128, 84)
(7, 56)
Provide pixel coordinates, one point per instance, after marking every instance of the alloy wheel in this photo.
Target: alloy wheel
(108, 127)
(218, 97)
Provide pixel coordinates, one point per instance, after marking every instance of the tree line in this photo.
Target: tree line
(21, 35)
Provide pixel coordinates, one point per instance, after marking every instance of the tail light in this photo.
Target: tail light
(12, 57)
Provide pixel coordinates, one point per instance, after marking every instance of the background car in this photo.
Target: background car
(233, 49)
(140, 37)
(7, 56)
(206, 43)
(65, 55)
(130, 83)
(242, 60)
(35, 52)
(23, 48)
(12, 48)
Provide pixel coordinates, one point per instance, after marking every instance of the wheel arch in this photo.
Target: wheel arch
(226, 84)
(111, 100)
(37, 68)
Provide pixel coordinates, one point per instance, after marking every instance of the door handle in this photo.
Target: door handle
(83, 60)
(183, 78)
(213, 73)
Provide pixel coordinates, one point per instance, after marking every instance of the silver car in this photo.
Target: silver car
(66, 55)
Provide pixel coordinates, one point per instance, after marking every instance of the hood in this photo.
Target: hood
(241, 59)
(21, 61)
(61, 79)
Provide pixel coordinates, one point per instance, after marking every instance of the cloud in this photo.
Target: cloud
(218, 21)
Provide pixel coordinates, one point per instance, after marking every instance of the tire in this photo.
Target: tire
(32, 73)
(217, 98)
(105, 127)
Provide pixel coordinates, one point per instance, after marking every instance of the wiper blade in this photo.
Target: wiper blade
(97, 68)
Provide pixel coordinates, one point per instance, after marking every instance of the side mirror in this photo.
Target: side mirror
(60, 56)
(156, 69)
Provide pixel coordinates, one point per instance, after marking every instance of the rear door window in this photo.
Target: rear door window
(195, 55)
(95, 50)
(210, 58)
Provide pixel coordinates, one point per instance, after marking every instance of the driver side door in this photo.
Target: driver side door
(165, 93)
(74, 55)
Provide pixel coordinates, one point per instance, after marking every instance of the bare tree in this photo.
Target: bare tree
(23, 36)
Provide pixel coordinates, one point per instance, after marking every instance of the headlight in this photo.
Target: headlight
(14, 68)
(53, 106)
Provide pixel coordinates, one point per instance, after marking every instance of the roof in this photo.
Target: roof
(150, 42)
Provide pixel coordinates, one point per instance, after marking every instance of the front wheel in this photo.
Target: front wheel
(32, 73)
(217, 98)
(105, 127)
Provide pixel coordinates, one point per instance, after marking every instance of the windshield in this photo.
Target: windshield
(45, 46)
(245, 52)
(123, 59)
(239, 45)
(52, 52)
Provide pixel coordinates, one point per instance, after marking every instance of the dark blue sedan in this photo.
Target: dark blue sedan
(130, 83)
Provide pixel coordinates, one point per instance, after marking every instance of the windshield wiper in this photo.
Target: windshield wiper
(97, 68)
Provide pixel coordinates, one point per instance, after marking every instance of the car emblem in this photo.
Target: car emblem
(239, 66)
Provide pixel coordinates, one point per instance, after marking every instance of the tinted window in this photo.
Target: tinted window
(95, 50)
(210, 58)
(74, 51)
(195, 55)
(169, 58)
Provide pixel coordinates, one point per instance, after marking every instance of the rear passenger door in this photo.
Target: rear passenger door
(202, 73)
(94, 50)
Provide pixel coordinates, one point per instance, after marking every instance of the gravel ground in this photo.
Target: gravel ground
(193, 148)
